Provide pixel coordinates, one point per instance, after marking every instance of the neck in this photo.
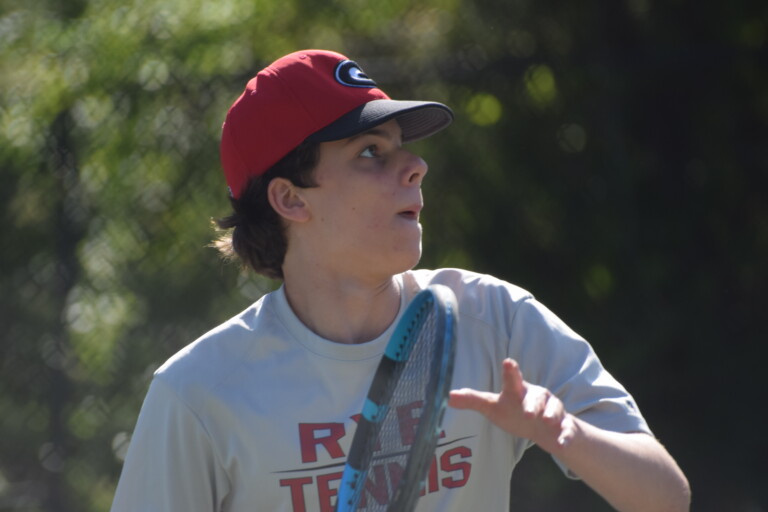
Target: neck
(343, 309)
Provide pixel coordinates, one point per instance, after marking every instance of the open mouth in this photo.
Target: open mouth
(409, 214)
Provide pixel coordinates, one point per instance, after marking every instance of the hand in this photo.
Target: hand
(522, 409)
(632, 471)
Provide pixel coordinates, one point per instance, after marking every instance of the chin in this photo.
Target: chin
(408, 261)
(400, 256)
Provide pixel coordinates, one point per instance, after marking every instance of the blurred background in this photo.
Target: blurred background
(611, 157)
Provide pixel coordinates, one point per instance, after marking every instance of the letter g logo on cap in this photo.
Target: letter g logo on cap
(349, 73)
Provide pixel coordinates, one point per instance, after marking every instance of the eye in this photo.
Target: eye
(370, 152)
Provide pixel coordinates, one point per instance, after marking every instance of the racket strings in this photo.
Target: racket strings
(399, 425)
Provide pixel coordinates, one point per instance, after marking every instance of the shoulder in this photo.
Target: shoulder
(483, 300)
(217, 355)
(495, 302)
(473, 290)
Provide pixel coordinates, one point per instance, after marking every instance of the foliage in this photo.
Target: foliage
(610, 157)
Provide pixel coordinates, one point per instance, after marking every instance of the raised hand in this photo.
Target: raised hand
(521, 408)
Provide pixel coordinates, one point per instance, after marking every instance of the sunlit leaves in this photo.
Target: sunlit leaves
(484, 109)
(540, 85)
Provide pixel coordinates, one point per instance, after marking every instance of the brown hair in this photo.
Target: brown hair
(254, 232)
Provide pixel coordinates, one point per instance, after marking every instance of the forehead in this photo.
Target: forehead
(389, 130)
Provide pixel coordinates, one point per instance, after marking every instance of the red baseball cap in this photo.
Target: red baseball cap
(313, 95)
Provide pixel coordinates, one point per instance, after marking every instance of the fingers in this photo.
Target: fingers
(523, 409)
(480, 401)
(541, 405)
(513, 379)
(513, 390)
(513, 386)
(553, 412)
(551, 427)
(568, 431)
(536, 402)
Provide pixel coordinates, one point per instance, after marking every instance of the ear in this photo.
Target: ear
(286, 199)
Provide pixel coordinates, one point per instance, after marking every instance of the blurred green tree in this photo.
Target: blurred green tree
(608, 156)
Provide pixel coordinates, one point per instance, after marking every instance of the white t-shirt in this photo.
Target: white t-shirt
(257, 415)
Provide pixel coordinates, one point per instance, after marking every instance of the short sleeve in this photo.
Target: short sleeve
(170, 465)
(553, 356)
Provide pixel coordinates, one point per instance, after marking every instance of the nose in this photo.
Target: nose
(414, 168)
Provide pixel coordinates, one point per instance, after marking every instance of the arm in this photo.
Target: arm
(170, 465)
(633, 472)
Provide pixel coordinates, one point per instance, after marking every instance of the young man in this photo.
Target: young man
(258, 414)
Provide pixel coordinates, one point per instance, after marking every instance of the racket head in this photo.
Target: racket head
(436, 401)
(417, 365)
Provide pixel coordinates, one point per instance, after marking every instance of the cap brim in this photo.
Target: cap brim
(417, 119)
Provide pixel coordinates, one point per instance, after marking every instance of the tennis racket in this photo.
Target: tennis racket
(415, 370)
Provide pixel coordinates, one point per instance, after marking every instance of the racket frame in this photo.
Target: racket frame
(398, 350)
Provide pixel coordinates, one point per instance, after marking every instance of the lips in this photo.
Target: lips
(412, 212)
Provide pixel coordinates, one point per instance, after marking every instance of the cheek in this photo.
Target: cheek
(363, 208)
(368, 213)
